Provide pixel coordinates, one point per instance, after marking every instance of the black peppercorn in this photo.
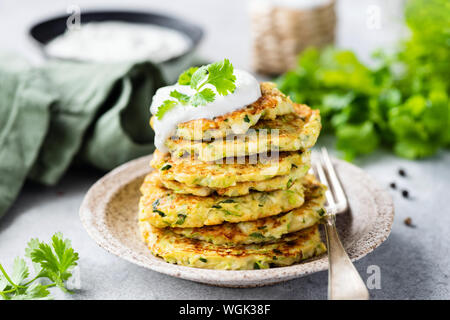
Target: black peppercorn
(393, 185)
(402, 172)
(405, 193)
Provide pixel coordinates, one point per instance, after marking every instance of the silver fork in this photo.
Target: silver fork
(344, 281)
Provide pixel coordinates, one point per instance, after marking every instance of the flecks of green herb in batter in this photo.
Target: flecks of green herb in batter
(181, 218)
(257, 235)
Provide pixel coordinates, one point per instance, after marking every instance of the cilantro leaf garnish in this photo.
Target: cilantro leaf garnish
(199, 77)
(185, 77)
(53, 261)
(219, 75)
(181, 97)
(166, 106)
(202, 97)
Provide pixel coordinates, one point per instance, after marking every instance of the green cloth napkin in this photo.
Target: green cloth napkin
(52, 114)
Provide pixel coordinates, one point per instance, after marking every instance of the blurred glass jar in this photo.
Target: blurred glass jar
(281, 29)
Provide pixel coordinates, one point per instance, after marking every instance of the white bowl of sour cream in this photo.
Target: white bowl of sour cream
(119, 36)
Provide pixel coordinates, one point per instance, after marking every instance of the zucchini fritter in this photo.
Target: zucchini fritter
(241, 188)
(193, 172)
(164, 208)
(180, 250)
(267, 229)
(291, 132)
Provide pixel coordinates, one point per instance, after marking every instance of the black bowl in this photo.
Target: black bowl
(45, 31)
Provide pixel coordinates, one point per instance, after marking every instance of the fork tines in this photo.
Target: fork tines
(324, 171)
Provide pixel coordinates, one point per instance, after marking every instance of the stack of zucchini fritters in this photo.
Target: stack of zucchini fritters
(229, 203)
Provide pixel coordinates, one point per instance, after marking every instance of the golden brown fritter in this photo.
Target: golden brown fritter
(164, 208)
(177, 249)
(291, 132)
(193, 172)
(241, 188)
(267, 229)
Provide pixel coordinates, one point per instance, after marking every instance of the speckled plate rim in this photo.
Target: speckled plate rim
(93, 216)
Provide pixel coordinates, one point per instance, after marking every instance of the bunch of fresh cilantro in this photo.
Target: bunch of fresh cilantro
(53, 264)
(218, 75)
(401, 103)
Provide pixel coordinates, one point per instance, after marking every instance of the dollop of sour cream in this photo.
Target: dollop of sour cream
(247, 91)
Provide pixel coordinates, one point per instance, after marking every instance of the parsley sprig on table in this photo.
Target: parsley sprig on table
(219, 75)
(52, 263)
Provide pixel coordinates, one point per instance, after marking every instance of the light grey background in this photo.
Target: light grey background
(414, 262)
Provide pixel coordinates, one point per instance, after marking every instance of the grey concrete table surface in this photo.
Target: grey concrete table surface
(414, 262)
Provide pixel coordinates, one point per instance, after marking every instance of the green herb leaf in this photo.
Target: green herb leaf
(56, 259)
(402, 102)
(289, 183)
(357, 139)
(166, 167)
(20, 271)
(162, 214)
(257, 235)
(220, 75)
(227, 201)
(34, 291)
(181, 97)
(155, 205)
(229, 213)
(185, 77)
(181, 218)
(53, 261)
(199, 77)
(32, 245)
(202, 97)
(166, 106)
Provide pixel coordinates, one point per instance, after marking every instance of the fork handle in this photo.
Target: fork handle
(344, 281)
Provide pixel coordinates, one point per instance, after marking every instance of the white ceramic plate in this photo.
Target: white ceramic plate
(109, 214)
